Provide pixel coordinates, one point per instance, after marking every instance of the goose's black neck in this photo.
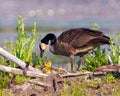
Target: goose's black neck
(49, 37)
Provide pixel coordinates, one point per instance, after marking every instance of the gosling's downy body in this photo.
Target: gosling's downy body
(48, 69)
(73, 42)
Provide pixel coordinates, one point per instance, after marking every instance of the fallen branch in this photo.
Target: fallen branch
(20, 72)
(76, 74)
(87, 74)
(16, 60)
(108, 68)
(98, 71)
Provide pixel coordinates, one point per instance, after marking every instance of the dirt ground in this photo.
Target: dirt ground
(33, 89)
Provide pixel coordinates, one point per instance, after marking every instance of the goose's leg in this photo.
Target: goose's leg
(80, 63)
(71, 60)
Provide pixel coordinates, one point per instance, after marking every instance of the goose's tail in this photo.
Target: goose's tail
(106, 39)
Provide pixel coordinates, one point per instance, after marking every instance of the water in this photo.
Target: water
(5, 36)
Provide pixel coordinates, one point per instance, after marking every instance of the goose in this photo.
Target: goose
(73, 42)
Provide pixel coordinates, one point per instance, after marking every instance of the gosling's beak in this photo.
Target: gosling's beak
(42, 47)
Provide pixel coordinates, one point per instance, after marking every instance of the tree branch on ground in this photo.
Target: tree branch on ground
(20, 72)
(108, 68)
(32, 71)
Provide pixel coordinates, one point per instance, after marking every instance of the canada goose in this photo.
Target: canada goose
(73, 42)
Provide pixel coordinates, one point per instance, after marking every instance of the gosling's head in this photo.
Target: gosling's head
(48, 64)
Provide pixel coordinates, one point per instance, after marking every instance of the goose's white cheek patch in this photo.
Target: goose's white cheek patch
(43, 46)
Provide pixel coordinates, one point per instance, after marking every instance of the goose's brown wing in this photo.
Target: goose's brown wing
(79, 37)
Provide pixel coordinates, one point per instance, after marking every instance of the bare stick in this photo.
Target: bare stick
(109, 59)
(20, 72)
(76, 74)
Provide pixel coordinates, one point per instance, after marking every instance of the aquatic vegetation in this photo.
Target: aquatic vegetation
(95, 26)
(23, 47)
(98, 57)
(114, 51)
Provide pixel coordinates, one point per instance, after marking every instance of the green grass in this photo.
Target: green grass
(24, 45)
(21, 79)
(115, 49)
(4, 80)
(72, 90)
(96, 58)
(109, 79)
(4, 92)
(116, 92)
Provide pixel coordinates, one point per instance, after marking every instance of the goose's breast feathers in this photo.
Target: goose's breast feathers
(62, 48)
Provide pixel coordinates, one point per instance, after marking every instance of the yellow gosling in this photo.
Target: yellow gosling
(50, 70)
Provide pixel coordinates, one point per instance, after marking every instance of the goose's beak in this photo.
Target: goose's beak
(41, 53)
(42, 47)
